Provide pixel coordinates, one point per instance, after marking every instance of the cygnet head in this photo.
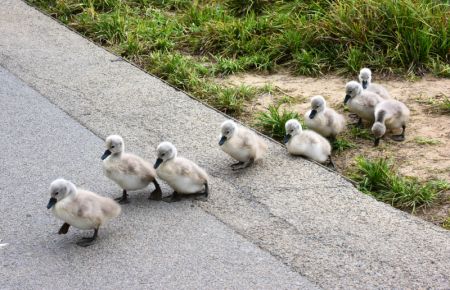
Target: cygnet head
(165, 151)
(293, 128)
(228, 128)
(60, 189)
(365, 77)
(352, 89)
(114, 145)
(378, 130)
(318, 104)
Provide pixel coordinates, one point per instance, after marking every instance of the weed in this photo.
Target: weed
(446, 223)
(231, 100)
(308, 63)
(362, 133)
(379, 179)
(437, 104)
(341, 144)
(426, 141)
(273, 121)
(440, 68)
(226, 66)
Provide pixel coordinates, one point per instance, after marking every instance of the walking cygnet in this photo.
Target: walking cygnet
(365, 77)
(80, 208)
(361, 102)
(393, 115)
(306, 143)
(129, 171)
(183, 175)
(242, 144)
(325, 121)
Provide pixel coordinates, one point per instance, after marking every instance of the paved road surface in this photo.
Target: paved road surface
(301, 214)
(151, 245)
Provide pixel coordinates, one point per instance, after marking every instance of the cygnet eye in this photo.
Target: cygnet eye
(227, 132)
(112, 146)
(56, 193)
(163, 154)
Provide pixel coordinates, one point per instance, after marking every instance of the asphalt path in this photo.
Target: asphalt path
(151, 245)
(303, 215)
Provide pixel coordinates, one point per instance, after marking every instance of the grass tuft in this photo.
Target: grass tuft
(446, 223)
(379, 179)
(438, 104)
(426, 141)
(361, 133)
(273, 121)
(341, 144)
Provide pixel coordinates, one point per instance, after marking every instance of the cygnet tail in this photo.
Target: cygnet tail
(111, 209)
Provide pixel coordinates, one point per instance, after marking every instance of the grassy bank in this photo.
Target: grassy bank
(205, 39)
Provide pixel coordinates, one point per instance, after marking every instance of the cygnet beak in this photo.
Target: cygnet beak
(222, 140)
(364, 84)
(106, 154)
(51, 203)
(286, 138)
(312, 114)
(157, 163)
(347, 97)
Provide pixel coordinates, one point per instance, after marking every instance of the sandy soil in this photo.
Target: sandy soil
(411, 158)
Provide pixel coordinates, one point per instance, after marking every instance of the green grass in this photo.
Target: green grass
(342, 144)
(189, 43)
(379, 179)
(273, 121)
(446, 223)
(307, 37)
(437, 104)
(362, 133)
(426, 141)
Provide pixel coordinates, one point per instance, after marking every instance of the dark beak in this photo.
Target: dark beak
(347, 97)
(51, 202)
(377, 142)
(106, 154)
(286, 138)
(222, 140)
(364, 84)
(157, 163)
(312, 114)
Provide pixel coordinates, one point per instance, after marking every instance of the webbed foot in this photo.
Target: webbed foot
(123, 199)
(398, 138)
(172, 198)
(87, 241)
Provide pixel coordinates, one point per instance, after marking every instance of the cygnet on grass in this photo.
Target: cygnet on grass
(392, 115)
(325, 121)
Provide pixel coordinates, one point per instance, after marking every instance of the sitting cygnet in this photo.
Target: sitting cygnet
(325, 121)
(306, 143)
(183, 175)
(242, 144)
(393, 115)
(129, 171)
(361, 102)
(365, 77)
(80, 208)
